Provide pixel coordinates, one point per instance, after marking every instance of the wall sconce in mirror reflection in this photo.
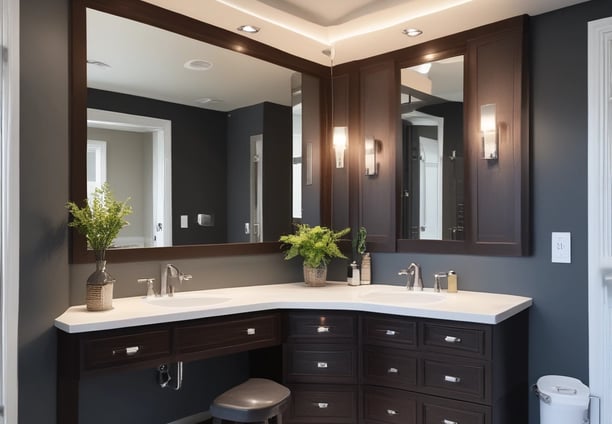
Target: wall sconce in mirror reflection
(371, 167)
(488, 127)
(340, 141)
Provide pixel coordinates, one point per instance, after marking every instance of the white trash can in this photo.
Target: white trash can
(563, 400)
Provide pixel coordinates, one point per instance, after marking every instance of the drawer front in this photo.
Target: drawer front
(323, 404)
(321, 327)
(455, 340)
(118, 350)
(437, 414)
(213, 337)
(455, 379)
(320, 364)
(392, 332)
(389, 367)
(389, 406)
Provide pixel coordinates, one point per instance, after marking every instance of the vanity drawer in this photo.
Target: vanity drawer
(117, 349)
(320, 327)
(387, 406)
(454, 339)
(320, 363)
(323, 404)
(225, 335)
(392, 332)
(465, 413)
(455, 378)
(389, 367)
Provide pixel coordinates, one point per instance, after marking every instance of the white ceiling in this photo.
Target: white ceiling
(148, 62)
(354, 28)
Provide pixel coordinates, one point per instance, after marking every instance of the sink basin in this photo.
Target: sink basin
(403, 296)
(186, 301)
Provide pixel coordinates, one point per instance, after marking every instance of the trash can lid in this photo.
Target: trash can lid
(564, 390)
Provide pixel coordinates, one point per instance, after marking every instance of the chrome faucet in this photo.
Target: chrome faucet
(415, 279)
(437, 277)
(171, 276)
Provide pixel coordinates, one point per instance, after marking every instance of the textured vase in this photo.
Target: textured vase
(100, 283)
(315, 277)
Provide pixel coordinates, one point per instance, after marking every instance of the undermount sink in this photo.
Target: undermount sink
(186, 301)
(402, 295)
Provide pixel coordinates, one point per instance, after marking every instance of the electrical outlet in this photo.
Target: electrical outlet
(561, 248)
(184, 221)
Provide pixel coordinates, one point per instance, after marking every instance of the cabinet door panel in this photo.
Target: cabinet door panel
(386, 406)
(323, 404)
(320, 363)
(455, 339)
(322, 327)
(455, 379)
(392, 332)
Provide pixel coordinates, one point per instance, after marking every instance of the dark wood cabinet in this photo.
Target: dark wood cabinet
(342, 367)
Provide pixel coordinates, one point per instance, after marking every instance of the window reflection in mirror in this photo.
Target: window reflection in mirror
(432, 151)
(228, 186)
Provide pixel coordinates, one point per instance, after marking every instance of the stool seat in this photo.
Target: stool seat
(255, 400)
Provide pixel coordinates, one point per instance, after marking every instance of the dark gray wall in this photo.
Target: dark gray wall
(44, 278)
(198, 160)
(558, 329)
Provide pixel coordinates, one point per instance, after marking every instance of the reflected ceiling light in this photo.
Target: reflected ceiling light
(251, 29)
(412, 32)
(198, 65)
(207, 100)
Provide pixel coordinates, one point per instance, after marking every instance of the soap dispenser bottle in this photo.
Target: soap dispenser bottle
(366, 268)
(452, 281)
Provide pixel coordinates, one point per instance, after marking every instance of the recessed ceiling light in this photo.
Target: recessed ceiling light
(251, 29)
(198, 65)
(206, 100)
(412, 32)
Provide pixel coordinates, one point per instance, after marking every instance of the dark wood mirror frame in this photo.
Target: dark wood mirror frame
(485, 63)
(171, 21)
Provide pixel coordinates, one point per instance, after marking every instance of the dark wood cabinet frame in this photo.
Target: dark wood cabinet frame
(494, 54)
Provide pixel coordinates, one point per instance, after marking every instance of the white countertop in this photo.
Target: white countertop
(479, 307)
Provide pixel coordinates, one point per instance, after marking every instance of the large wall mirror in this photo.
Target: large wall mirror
(432, 151)
(206, 141)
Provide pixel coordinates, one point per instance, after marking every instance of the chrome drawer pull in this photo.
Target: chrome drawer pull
(452, 339)
(322, 405)
(250, 331)
(392, 412)
(392, 370)
(390, 332)
(129, 351)
(321, 364)
(449, 422)
(452, 379)
(323, 329)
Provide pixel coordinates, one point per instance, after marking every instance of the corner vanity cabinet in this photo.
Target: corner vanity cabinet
(391, 369)
(359, 365)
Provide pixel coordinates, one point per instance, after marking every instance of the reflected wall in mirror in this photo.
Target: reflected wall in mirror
(432, 149)
(199, 137)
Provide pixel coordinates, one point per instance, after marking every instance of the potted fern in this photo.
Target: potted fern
(317, 246)
(99, 220)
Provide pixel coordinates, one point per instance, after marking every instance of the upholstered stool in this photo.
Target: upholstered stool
(257, 400)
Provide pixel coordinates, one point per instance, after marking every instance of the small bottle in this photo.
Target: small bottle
(356, 278)
(452, 281)
(366, 269)
(349, 274)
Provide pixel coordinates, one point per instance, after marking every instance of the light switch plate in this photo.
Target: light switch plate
(184, 221)
(561, 248)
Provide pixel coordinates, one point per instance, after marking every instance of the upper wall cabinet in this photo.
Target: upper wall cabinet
(440, 156)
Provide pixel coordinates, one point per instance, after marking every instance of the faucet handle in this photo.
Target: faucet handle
(403, 272)
(437, 277)
(149, 282)
(185, 277)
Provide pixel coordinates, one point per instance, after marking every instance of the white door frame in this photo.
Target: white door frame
(9, 192)
(162, 159)
(600, 214)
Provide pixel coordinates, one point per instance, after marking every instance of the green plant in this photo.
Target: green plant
(317, 245)
(359, 242)
(100, 219)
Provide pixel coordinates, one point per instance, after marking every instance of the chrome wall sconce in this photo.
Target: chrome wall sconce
(488, 128)
(340, 141)
(371, 167)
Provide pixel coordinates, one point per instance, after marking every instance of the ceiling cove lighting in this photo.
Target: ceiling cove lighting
(251, 29)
